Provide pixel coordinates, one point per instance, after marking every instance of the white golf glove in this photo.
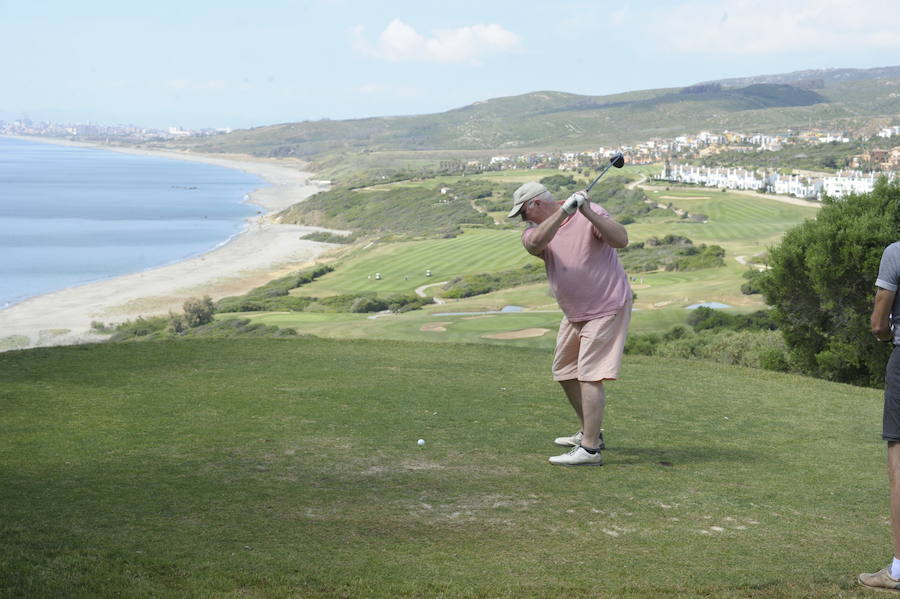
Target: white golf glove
(574, 202)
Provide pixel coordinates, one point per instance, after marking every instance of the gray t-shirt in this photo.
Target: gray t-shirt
(889, 278)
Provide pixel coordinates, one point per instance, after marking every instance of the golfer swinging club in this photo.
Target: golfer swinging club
(576, 240)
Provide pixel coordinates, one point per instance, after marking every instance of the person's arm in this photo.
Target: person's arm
(881, 315)
(544, 233)
(610, 231)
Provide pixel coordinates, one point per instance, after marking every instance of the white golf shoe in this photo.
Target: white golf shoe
(576, 440)
(577, 456)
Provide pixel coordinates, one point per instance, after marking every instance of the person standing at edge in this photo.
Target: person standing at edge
(885, 316)
(577, 241)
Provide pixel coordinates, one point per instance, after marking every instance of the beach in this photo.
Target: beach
(263, 251)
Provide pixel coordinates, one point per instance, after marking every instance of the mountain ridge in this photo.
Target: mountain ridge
(553, 119)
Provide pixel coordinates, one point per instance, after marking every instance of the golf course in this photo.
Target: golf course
(289, 468)
(744, 226)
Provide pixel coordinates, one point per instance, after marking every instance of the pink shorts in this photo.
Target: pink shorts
(592, 350)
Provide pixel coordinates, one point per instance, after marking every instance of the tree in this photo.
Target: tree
(821, 285)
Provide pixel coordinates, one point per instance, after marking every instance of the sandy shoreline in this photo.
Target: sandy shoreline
(264, 250)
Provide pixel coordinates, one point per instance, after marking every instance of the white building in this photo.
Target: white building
(795, 185)
(844, 184)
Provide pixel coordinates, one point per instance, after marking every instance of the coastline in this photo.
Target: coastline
(264, 250)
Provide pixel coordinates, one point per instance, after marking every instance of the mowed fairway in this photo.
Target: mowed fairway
(403, 265)
(289, 468)
(742, 224)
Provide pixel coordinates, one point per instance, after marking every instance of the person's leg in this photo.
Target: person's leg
(572, 387)
(593, 400)
(891, 433)
(565, 364)
(889, 577)
(894, 477)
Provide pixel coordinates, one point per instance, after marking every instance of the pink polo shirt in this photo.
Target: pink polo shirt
(584, 271)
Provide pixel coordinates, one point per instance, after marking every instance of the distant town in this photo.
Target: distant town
(92, 132)
(678, 154)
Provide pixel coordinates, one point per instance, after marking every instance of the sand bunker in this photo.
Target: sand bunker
(520, 334)
(434, 327)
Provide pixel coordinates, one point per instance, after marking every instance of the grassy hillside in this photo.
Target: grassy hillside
(289, 468)
(550, 119)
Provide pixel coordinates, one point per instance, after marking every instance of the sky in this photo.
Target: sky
(239, 64)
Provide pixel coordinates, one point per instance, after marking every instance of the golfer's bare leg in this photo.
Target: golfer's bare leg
(593, 400)
(572, 387)
(894, 476)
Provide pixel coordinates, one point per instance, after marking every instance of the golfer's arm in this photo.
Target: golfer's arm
(544, 233)
(612, 232)
(881, 315)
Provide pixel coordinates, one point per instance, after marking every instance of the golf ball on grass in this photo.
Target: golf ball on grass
(421, 442)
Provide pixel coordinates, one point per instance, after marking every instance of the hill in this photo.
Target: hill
(814, 77)
(552, 119)
(286, 468)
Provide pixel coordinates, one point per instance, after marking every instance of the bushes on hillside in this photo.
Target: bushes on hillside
(754, 282)
(741, 339)
(672, 253)
(418, 211)
(821, 284)
(273, 296)
(328, 237)
(478, 284)
(369, 302)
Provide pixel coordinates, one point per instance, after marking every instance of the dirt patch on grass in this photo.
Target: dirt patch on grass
(520, 334)
(434, 327)
(684, 197)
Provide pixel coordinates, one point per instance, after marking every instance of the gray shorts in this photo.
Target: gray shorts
(891, 429)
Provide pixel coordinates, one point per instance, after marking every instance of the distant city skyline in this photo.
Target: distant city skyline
(233, 65)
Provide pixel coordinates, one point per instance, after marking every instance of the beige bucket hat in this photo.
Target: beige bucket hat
(529, 190)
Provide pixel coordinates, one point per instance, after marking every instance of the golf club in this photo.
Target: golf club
(617, 160)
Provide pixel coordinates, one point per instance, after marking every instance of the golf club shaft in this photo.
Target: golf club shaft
(606, 168)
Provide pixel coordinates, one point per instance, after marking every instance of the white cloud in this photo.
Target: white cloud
(401, 43)
(756, 27)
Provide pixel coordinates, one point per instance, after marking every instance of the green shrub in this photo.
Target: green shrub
(140, 327)
(820, 284)
(368, 304)
(754, 282)
(328, 237)
(177, 323)
(274, 295)
(198, 311)
(672, 253)
(481, 283)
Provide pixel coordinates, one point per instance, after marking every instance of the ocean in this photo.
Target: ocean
(72, 215)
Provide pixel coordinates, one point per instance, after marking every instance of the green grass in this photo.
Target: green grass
(740, 223)
(403, 264)
(288, 468)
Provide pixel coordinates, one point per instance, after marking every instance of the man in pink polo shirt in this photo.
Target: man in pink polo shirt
(577, 241)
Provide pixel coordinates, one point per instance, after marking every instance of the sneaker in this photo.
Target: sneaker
(880, 580)
(577, 456)
(576, 440)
